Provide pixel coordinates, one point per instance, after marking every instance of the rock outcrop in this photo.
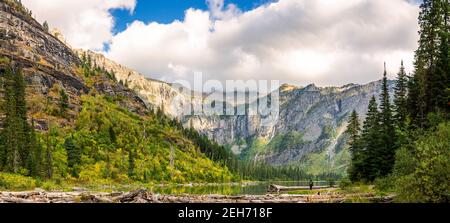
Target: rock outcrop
(49, 64)
(318, 114)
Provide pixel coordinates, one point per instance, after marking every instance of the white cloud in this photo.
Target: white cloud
(296, 41)
(327, 42)
(85, 23)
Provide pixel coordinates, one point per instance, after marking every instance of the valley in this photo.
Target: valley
(78, 127)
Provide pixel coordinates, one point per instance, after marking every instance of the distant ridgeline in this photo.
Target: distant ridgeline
(66, 120)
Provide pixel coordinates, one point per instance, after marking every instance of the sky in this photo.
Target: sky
(326, 42)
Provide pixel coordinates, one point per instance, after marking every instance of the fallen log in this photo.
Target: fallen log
(131, 196)
(278, 188)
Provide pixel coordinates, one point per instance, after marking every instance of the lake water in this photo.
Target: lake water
(259, 188)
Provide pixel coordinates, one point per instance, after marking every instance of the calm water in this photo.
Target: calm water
(259, 188)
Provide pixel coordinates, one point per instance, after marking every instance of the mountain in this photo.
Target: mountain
(309, 131)
(91, 128)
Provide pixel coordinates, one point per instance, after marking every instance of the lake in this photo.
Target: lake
(257, 188)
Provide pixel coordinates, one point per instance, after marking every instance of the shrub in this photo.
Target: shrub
(16, 182)
(385, 184)
(423, 173)
(345, 183)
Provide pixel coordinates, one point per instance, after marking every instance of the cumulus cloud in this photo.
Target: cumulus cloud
(85, 23)
(327, 42)
(295, 41)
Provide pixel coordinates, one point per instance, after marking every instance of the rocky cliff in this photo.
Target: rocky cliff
(311, 119)
(49, 65)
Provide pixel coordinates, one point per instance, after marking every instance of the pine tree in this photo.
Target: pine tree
(23, 128)
(353, 130)
(400, 100)
(387, 151)
(431, 62)
(440, 80)
(35, 154)
(73, 155)
(371, 142)
(48, 165)
(63, 102)
(20, 145)
(9, 135)
(412, 100)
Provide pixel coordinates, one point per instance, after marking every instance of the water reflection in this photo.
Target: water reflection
(259, 188)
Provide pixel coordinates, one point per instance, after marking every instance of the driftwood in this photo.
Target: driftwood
(278, 188)
(137, 195)
(143, 196)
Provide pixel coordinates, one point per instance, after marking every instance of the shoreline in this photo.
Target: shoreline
(144, 196)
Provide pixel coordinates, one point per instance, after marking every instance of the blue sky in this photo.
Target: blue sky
(166, 11)
(326, 42)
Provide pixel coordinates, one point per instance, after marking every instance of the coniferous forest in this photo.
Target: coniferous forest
(403, 144)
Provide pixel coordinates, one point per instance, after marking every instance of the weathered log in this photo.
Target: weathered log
(278, 188)
(129, 197)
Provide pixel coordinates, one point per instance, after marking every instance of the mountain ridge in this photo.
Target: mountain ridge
(301, 108)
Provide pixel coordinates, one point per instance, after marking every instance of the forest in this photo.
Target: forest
(107, 144)
(404, 146)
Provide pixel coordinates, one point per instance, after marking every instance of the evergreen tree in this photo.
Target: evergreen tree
(9, 135)
(441, 80)
(412, 100)
(73, 155)
(35, 154)
(371, 143)
(353, 130)
(400, 99)
(51, 144)
(388, 134)
(431, 62)
(63, 102)
(22, 127)
(131, 162)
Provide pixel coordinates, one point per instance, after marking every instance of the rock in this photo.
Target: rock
(312, 111)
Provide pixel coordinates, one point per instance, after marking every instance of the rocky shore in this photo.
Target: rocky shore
(144, 196)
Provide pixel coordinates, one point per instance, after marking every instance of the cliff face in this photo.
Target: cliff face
(311, 119)
(155, 94)
(25, 41)
(49, 65)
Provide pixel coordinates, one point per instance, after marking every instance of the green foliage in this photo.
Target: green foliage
(386, 151)
(289, 141)
(353, 130)
(322, 165)
(10, 181)
(400, 98)
(422, 170)
(73, 155)
(431, 76)
(373, 153)
(345, 183)
(364, 152)
(63, 102)
(121, 146)
(20, 150)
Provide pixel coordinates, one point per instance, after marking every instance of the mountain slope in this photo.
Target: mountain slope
(309, 131)
(107, 124)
